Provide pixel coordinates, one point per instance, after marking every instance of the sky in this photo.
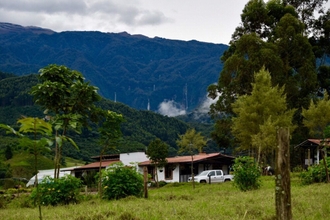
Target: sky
(211, 21)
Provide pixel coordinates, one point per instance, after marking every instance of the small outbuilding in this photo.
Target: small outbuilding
(312, 151)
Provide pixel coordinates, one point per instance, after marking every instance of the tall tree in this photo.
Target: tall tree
(191, 142)
(157, 152)
(317, 120)
(272, 35)
(110, 134)
(259, 114)
(64, 95)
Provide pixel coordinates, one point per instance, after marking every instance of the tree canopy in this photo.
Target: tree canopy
(68, 99)
(260, 114)
(317, 116)
(157, 152)
(286, 39)
(191, 141)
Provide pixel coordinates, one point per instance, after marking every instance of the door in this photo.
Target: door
(212, 177)
(219, 176)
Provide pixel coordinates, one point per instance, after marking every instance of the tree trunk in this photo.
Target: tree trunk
(282, 177)
(156, 176)
(145, 175)
(56, 155)
(325, 166)
(259, 154)
(100, 176)
(192, 171)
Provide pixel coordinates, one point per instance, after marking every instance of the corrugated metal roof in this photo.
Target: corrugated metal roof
(97, 165)
(186, 159)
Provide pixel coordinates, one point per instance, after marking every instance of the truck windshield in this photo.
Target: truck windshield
(204, 173)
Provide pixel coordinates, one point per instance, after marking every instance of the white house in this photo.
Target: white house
(128, 159)
(178, 169)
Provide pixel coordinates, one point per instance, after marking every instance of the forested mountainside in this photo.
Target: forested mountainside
(139, 129)
(132, 69)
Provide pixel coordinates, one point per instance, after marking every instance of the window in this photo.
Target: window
(151, 172)
(168, 172)
(212, 173)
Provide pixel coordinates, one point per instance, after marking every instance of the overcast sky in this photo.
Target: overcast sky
(208, 21)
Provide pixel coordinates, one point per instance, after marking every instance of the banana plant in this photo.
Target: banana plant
(33, 133)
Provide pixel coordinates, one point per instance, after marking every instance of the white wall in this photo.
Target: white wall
(135, 157)
(175, 175)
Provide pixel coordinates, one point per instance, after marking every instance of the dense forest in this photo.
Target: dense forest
(139, 128)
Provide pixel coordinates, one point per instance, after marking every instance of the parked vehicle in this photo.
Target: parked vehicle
(215, 176)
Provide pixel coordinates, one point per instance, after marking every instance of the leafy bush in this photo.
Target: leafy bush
(247, 174)
(53, 192)
(162, 183)
(119, 182)
(4, 200)
(8, 183)
(315, 173)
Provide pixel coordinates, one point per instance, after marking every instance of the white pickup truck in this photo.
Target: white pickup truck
(215, 176)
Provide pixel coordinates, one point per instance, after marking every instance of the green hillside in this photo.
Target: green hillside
(136, 68)
(139, 129)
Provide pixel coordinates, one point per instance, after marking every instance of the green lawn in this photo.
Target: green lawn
(181, 201)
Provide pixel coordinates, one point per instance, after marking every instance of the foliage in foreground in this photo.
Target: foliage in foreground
(178, 201)
(121, 181)
(315, 173)
(247, 174)
(64, 190)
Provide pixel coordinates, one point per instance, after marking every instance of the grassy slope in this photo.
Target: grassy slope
(71, 162)
(22, 164)
(216, 201)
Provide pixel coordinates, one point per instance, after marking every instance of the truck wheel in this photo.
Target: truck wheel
(202, 181)
(227, 180)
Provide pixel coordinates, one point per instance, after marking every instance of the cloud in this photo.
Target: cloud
(41, 6)
(103, 15)
(170, 108)
(204, 107)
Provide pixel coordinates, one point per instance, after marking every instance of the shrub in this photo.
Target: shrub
(53, 192)
(8, 183)
(247, 174)
(4, 201)
(315, 173)
(119, 182)
(162, 183)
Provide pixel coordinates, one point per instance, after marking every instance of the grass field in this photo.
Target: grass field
(70, 162)
(181, 201)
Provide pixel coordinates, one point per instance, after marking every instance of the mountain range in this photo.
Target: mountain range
(154, 74)
(139, 128)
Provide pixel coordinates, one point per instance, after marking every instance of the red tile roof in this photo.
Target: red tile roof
(318, 141)
(313, 142)
(186, 159)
